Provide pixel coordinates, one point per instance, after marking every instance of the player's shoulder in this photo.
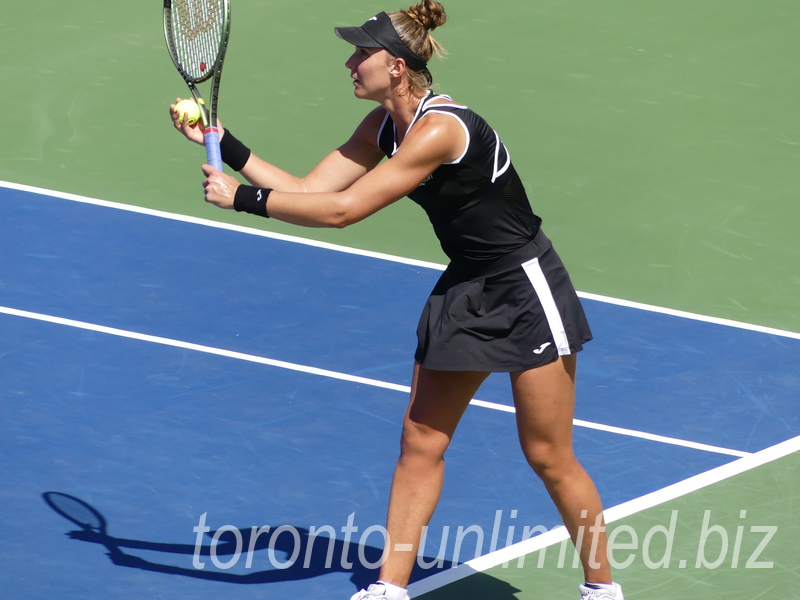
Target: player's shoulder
(370, 125)
(436, 135)
(437, 116)
(374, 118)
(441, 109)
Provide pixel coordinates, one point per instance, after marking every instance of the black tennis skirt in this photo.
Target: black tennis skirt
(518, 314)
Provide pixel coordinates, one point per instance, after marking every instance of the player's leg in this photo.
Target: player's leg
(438, 400)
(545, 398)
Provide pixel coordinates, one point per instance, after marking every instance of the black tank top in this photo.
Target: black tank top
(476, 204)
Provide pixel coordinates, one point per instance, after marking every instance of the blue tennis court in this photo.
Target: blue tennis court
(161, 369)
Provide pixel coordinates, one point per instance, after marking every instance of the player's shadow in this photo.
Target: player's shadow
(324, 556)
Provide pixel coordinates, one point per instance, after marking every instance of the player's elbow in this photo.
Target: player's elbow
(345, 212)
(342, 221)
(338, 222)
(339, 219)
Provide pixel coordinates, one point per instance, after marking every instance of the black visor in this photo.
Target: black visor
(379, 32)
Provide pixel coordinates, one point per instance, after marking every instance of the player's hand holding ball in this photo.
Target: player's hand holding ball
(185, 117)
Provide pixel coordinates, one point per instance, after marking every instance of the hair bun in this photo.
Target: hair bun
(428, 13)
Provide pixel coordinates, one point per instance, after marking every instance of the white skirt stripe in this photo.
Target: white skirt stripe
(536, 276)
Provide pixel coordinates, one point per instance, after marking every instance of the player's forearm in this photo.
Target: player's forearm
(322, 209)
(257, 171)
(329, 209)
(262, 174)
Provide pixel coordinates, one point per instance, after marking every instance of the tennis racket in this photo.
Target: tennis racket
(77, 511)
(197, 37)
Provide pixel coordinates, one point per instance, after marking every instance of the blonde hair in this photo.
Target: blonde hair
(412, 26)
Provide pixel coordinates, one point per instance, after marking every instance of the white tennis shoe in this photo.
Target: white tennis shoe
(603, 593)
(376, 591)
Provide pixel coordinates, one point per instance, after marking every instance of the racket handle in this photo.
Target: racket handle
(211, 136)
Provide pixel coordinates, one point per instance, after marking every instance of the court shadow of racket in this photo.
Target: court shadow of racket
(92, 524)
(93, 528)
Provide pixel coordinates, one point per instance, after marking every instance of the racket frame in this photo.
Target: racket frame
(208, 118)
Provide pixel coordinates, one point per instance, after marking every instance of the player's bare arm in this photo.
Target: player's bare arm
(435, 140)
(336, 172)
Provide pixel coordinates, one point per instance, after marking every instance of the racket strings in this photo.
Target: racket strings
(197, 33)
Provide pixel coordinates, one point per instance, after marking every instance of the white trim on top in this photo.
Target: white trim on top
(498, 144)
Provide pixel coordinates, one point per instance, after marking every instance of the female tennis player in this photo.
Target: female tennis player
(504, 304)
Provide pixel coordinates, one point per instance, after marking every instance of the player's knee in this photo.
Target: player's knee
(420, 441)
(549, 461)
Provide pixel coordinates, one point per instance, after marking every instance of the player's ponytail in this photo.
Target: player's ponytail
(428, 14)
(413, 26)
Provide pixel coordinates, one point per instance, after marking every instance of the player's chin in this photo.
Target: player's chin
(360, 92)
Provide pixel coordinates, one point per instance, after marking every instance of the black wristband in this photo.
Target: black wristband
(234, 153)
(251, 200)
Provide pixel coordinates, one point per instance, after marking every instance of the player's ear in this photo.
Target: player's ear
(397, 67)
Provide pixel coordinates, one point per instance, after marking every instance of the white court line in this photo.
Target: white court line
(626, 509)
(659, 438)
(334, 374)
(200, 348)
(218, 225)
(378, 255)
(688, 315)
(629, 432)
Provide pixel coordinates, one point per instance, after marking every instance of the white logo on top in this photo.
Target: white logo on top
(541, 348)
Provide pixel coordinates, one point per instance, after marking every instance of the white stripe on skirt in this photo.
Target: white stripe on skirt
(536, 276)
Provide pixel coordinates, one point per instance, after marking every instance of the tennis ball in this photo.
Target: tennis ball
(188, 110)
